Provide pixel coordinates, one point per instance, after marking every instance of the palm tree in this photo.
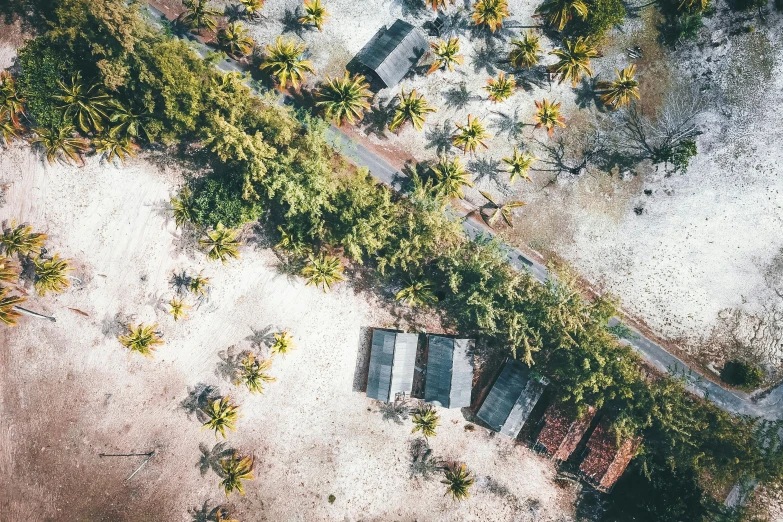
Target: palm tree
(127, 122)
(142, 339)
(20, 239)
(235, 470)
(425, 420)
(693, 6)
(450, 177)
(8, 128)
(183, 207)
(10, 98)
(559, 12)
(178, 308)
(86, 105)
(500, 88)
(253, 8)
(525, 52)
(470, 135)
(222, 414)
(416, 293)
(221, 244)
(412, 108)
(284, 60)
(458, 480)
(234, 40)
(344, 98)
(283, 344)
(199, 15)
(499, 210)
(8, 312)
(490, 13)
(324, 271)
(447, 53)
(51, 275)
(9, 271)
(518, 165)
(199, 284)
(253, 373)
(114, 147)
(574, 60)
(621, 91)
(315, 14)
(58, 141)
(438, 4)
(548, 116)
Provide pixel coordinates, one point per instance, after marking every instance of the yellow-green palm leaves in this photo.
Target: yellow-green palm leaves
(412, 108)
(559, 12)
(623, 90)
(221, 415)
(8, 129)
(416, 293)
(51, 275)
(458, 480)
(518, 165)
(112, 147)
(284, 61)
(235, 469)
(20, 239)
(315, 14)
(283, 344)
(548, 116)
(183, 208)
(344, 98)
(525, 52)
(490, 13)
(87, 105)
(471, 135)
(323, 270)
(573, 60)
(141, 339)
(500, 211)
(450, 178)
(253, 8)
(234, 40)
(222, 243)
(500, 88)
(59, 141)
(9, 271)
(178, 308)
(693, 6)
(254, 373)
(447, 53)
(10, 99)
(425, 420)
(199, 15)
(8, 312)
(438, 4)
(199, 284)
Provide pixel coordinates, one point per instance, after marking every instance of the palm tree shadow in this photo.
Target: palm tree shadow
(587, 94)
(163, 209)
(439, 137)
(412, 8)
(198, 398)
(230, 363)
(234, 12)
(488, 170)
(458, 97)
(486, 58)
(509, 124)
(205, 514)
(533, 78)
(210, 458)
(378, 118)
(482, 32)
(291, 23)
(455, 24)
(260, 338)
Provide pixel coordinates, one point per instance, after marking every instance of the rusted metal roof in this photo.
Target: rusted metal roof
(605, 462)
(561, 433)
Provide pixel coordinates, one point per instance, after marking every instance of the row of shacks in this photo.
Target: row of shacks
(505, 408)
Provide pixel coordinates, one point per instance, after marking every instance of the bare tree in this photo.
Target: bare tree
(578, 156)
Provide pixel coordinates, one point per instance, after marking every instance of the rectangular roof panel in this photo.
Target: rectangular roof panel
(461, 373)
(439, 369)
(393, 54)
(403, 364)
(381, 361)
(503, 396)
(523, 406)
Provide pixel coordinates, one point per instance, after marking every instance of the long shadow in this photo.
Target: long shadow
(378, 118)
(455, 24)
(509, 124)
(482, 32)
(263, 337)
(230, 363)
(210, 457)
(487, 169)
(587, 94)
(439, 137)
(457, 97)
(534, 78)
(413, 8)
(487, 58)
(396, 412)
(198, 398)
(206, 514)
(360, 373)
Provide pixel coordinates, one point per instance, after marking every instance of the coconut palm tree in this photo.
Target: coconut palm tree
(323, 270)
(548, 116)
(10, 98)
(199, 284)
(574, 60)
(500, 211)
(85, 105)
(236, 469)
(438, 4)
(183, 207)
(112, 146)
(199, 15)
(284, 61)
(51, 275)
(283, 344)
(458, 480)
(253, 373)
(58, 141)
(142, 339)
(693, 6)
(344, 98)
(525, 52)
(8, 128)
(222, 414)
(221, 244)
(20, 239)
(425, 420)
(315, 14)
(416, 293)
(447, 53)
(235, 41)
(412, 108)
(559, 12)
(470, 135)
(623, 90)
(127, 122)
(450, 178)
(500, 88)
(490, 13)
(518, 165)
(253, 8)
(178, 308)
(9, 271)
(8, 312)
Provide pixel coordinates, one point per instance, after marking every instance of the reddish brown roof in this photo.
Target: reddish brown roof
(604, 462)
(561, 434)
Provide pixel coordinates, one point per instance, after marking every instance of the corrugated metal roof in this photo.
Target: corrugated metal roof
(449, 371)
(405, 348)
(392, 359)
(562, 433)
(511, 399)
(393, 54)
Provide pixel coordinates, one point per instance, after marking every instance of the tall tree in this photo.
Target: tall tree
(199, 15)
(221, 415)
(221, 243)
(525, 52)
(254, 373)
(416, 293)
(573, 60)
(61, 141)
(86, 105)
(283, 344)
(323, 270)
(447, 52)
(51, 275)
(559, 12)
(315, 14)
(20, 239)
(183, 207)
(425, 420)
(235, 469)
(500, 88)
(9, 271)
(500, 210)
(490, 13)
(284, 61)
(519, 164)
(344, 98)
(128, 122)
(235, 40)
(10, 98)
(412, 108)
(621, 91)
(112, 147)
(141, 339)
(450, 178)
(470, 135)
(8, 312)
(458, 480)
(178, 308)
(548, 116)
(253, 8)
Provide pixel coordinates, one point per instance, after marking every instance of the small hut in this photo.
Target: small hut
(449, 371)
(392, 52)
(392, 362)
(562, 433)
(605, 462)
(511, 399)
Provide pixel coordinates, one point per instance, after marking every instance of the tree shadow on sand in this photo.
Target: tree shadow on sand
(377, 119)
(291, 23)
(439, 137)
(412, 8)
(230, 363)
(509, 124)
(587, 94)
(206, 514)
(210, 457)
(457, 97)
(262, 337)
(487, 58)
(198, 398)
(488, 170)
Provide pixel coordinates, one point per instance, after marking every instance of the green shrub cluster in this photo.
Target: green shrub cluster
(742, 374)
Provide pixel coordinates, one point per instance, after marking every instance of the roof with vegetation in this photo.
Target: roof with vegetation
(392, 359)
(562, 433)
(511, 399)
(449, 371)
(392, 53)
(605, 461)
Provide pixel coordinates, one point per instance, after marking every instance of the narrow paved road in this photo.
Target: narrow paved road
(771, 407)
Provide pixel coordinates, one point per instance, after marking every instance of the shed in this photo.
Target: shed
(605, 462)
(449, 371)
(511, 399)
(393, 52)
(562, 433)
(392, 359)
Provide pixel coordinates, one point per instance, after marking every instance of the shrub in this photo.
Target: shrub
(218, 200)
(742, 374)
(43, 64)
(602, 15)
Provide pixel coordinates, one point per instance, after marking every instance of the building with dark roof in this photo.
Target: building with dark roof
(511, 399)
(392, 359)
(562, 433)
(392, 53)
(449, 371)
(605, 462)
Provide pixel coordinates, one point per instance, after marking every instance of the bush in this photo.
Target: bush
(42, 65)
(217, 200)
(742, 374)
(601, 17)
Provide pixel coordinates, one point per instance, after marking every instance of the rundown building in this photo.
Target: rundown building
(604, 461)
(449, 371)
(392, 359)
(562, 433)
(511, 399)
(391, 53)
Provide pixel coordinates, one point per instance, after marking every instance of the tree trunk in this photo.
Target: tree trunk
(25, 311)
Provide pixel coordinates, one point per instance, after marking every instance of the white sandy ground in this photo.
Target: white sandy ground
(70, 390)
